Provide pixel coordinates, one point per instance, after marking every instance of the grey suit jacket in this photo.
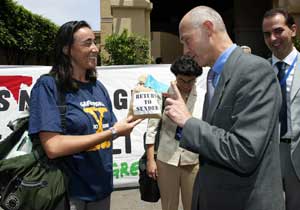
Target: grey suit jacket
(295, 117)
(238, 139)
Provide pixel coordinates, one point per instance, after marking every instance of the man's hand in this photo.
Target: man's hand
(175, 108)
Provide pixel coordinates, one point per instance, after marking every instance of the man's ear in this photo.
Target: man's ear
(208, 26)
(66, 50)
(294, 30)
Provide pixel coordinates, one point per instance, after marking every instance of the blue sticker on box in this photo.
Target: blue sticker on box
(154, 84)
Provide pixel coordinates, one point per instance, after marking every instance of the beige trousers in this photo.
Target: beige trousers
(175, 180)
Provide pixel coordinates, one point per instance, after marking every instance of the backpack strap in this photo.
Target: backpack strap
(156, 142)
(61, 104)
(62, 108)
(62, 113)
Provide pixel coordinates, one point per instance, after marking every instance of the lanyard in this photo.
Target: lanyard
(282, 82)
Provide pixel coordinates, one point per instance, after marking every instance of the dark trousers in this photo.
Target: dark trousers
(291, 183)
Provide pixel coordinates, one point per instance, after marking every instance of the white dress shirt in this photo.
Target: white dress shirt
(289, 61)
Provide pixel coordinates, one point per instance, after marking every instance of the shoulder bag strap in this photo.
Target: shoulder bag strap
(62, 108)
(62, 111)
(156, 143)
(38, 151)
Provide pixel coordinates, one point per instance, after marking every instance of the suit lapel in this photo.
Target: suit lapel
(296, 80)
(223, 81)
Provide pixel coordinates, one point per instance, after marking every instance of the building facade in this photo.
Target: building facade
(157, 20)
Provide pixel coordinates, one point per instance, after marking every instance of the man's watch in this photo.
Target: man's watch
(114, 133)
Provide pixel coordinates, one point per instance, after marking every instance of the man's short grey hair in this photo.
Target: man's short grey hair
(203, 13)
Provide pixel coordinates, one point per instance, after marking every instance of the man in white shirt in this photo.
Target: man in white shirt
(279, 29)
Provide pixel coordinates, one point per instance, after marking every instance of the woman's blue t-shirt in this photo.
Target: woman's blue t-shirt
(89, 110)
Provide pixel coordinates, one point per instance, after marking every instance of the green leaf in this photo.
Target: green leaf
(126, 49)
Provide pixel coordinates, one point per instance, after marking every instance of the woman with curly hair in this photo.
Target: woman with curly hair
(175, 168)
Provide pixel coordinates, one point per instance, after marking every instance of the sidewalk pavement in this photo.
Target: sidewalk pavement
(130, 200)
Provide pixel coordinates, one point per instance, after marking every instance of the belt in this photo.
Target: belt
(288, 141)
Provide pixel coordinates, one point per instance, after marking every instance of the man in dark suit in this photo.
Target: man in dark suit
(279, 29)
(238, 138)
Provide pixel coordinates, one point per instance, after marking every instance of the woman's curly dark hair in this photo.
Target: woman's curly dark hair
(62, 69)
(185, 65)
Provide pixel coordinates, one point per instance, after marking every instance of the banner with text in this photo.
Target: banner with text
(16, 83)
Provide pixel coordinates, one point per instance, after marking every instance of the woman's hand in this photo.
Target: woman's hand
(125, 126)
(152, 169)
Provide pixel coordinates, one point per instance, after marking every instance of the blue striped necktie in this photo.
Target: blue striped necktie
(283, 111)
(210, 84)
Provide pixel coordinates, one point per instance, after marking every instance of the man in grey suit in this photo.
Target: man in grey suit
(238, 138)
(279, 29)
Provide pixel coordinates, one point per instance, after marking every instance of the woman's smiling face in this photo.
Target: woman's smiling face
(84, 51)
